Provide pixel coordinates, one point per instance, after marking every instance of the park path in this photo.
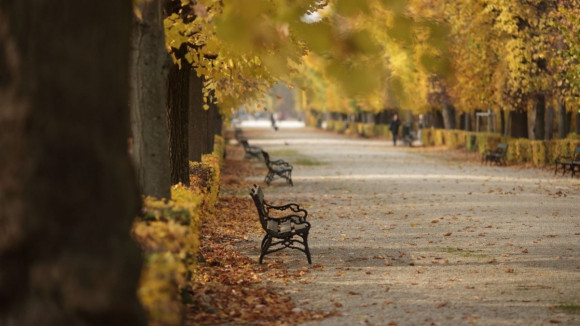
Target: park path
(405, 236)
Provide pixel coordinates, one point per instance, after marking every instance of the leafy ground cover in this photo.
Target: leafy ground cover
(230, 288)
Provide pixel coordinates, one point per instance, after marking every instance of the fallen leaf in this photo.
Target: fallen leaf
(447, 234)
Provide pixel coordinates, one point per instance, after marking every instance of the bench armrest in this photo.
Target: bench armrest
(564, 157)
(292, 218)
(280, 162)
(292, 206)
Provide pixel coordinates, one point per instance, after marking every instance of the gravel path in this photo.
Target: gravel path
(409, 237)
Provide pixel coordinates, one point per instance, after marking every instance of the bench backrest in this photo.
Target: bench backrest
(258, 197)
(266, 157)
(502, 147)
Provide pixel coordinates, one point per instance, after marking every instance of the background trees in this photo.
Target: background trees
(457, 58)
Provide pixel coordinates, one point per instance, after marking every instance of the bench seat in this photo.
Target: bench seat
(285, 226)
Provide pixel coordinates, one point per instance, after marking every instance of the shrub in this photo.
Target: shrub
(471, 140)
(427, 137)
(367, 129)
(382, 130)
(538, 152)
(330, 124)
(524, 151)
(168, 233)
(439, 137)
(487, 141)
(455, 139)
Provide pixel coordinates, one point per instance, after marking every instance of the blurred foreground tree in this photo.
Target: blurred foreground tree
(68, 193)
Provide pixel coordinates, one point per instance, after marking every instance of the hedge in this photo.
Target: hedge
(534, 152)
(168, 233)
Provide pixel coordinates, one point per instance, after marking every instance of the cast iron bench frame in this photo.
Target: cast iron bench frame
(251, 151)
(277, 168)
(496, 155)
(568, 162)
(281, 231)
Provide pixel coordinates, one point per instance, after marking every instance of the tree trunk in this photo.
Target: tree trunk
(438, 122)
(209, 128)
(539, 112)
(149, 63)
(178, 122)
(549, 122)
(219, 123)
(563, 121)
(577, 129)
(195, 117)
(518, 124)
(68, 192)
(502, 122)
(448, 112)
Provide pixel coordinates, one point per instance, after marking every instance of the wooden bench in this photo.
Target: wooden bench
(496, 155)
(281, 230)
(251, 151)
(278, 168)
(569, 162)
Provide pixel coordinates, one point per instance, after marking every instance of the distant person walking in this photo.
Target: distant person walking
(421, 126)
(273, 120)
(394, 128)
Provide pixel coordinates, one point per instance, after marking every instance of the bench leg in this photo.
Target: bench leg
(269, 178)
(306, 249)
(265, 245)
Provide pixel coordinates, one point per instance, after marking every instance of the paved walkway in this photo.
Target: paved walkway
(409, 237)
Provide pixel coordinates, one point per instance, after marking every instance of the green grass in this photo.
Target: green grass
(568, 307)
(288, 152)
(297, 159)
(464, 252)
(307, 161)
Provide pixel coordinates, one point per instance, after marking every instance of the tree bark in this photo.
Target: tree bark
(502, 122)
(195, 117)
(209, 128)
(448, 112)
(178, 122)
(549, 122)
(577, 123)
(149, 69)
(518, 124)
(539, 112)
(563, 121)
(438, 122)
(68, 192)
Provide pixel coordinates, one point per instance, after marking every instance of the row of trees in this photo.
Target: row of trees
(68, 74)
(517, 58)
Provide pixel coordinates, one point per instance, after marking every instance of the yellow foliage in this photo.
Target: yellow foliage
(168, 233)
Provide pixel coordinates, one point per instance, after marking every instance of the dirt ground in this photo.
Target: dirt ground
(412, 236)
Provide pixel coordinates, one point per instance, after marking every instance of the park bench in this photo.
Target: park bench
(239, 134)
(496, 155)
(568, 162)
(278, 168)
(251, 151)
(282, 225)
